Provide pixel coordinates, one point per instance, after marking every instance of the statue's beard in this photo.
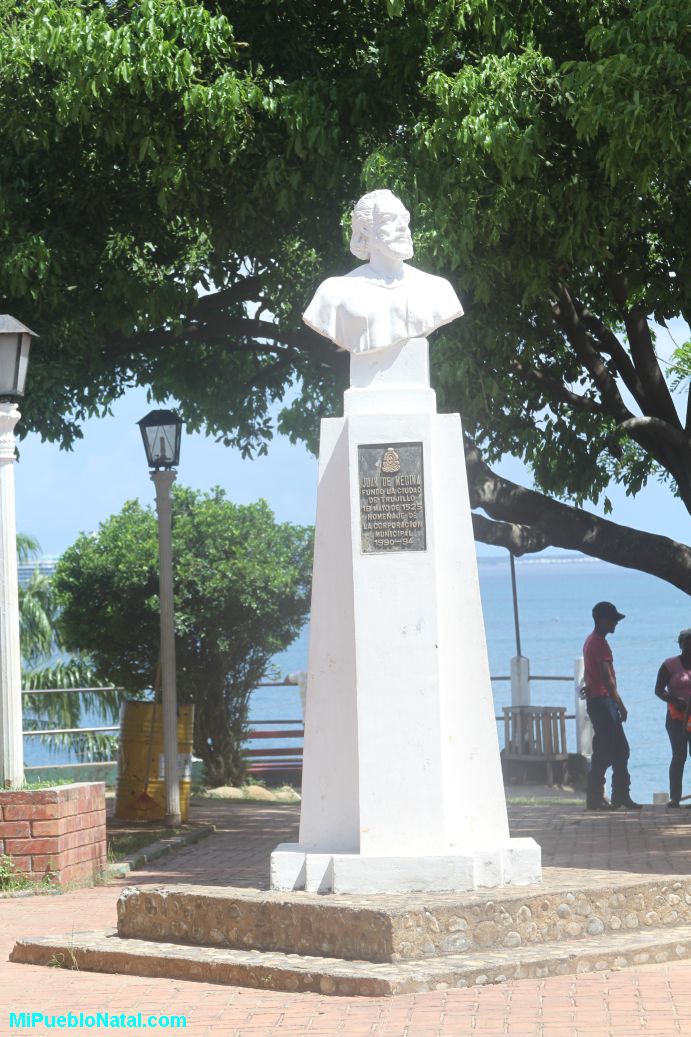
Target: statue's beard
(402, 249)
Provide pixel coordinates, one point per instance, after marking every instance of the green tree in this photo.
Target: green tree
(151, 152)
(550, 162)
(241, 596)
(156, 145)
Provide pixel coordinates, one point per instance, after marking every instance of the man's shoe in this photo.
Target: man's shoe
(600, 804)
(673, 804)
(627, 804)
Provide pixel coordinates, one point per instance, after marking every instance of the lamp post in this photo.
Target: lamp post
(161, 430)
(15, 343)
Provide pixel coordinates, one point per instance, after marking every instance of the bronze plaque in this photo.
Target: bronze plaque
(392, 497)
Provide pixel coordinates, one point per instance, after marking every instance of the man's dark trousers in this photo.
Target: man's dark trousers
(610, 749)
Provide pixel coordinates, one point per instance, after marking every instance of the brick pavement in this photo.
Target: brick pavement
(651, 1000)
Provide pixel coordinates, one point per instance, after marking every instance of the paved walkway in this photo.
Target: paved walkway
(651, 1000)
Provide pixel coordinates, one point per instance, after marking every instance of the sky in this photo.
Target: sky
(60, 494)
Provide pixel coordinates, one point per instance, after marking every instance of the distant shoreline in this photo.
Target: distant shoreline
(566, 559)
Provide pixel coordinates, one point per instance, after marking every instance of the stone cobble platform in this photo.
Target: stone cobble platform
(645, 998)
(107, 952)
(577, 919)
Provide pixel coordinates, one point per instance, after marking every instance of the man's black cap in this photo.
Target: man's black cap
(606, 610)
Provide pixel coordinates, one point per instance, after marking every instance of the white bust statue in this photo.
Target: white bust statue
(385, 301)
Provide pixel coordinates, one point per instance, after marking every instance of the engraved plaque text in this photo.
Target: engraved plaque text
(392, 497)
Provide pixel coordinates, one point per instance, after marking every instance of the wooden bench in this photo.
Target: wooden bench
(279, 758)
(536, 734)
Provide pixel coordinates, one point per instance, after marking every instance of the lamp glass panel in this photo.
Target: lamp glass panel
(161, 444)
(23, 363)
(9, 344)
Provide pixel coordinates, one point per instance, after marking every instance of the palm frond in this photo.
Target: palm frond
(28, 547)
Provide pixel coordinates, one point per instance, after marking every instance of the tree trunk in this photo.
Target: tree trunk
(220, 729)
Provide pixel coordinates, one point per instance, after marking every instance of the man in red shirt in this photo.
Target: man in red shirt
(607, 713)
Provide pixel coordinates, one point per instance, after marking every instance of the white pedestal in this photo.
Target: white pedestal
(402, 787)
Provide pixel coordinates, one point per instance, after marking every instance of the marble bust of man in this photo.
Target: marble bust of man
(386, 301)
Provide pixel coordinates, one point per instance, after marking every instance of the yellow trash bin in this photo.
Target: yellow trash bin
(141, 793)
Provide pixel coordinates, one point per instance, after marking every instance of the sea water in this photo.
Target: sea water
(555, 597)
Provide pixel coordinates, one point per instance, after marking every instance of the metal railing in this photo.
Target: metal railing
(260, 759)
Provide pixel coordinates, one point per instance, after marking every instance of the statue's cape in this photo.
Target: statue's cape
(359, 312)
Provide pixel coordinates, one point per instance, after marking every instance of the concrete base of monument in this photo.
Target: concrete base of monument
(516, 862)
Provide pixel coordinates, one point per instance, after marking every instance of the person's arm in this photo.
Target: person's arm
(663, 692)
(610, 682)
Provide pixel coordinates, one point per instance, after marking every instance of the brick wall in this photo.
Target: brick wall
(60, 831)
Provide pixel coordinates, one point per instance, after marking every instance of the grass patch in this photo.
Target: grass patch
(32, 786)
(12, 881)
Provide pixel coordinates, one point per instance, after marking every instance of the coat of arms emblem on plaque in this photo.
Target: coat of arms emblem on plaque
(391, 462)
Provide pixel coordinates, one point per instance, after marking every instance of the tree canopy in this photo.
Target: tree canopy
(241, 596)
(157, 146)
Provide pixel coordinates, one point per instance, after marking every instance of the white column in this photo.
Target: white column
(520, 681)
(163, 481)
(11, 745)
(584, 729)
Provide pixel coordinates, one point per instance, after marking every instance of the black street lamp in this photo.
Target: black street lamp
(161, 432)
(15, 344)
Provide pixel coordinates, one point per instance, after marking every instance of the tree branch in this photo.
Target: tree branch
(564, 526)
(658, 396)
(657, 401)
(223, 330)
(554, 388)
(247, 289)
(676, 439)
(567, 318)
(517, 539)
(609, 344)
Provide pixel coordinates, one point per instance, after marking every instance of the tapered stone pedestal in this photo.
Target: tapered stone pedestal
(402, 785)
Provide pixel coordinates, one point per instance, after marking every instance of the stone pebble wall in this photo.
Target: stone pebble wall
(531, 920)
(382, 931)
(57, 832)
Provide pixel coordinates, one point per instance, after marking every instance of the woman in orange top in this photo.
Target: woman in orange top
(673, 686)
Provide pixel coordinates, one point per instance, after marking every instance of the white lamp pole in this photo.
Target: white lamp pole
(161, 434)
(11, 749)
(163, 481)
(15, 342)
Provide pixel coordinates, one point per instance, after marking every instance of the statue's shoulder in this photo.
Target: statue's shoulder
(334, 288)
(414, 275)
(436, 291)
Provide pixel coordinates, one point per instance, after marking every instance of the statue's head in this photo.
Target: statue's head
(381, 222)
